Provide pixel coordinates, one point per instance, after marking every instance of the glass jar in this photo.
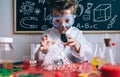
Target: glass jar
(6, 56)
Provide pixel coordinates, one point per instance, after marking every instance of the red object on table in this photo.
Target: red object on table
(26, 64)
(58, 74)
(37, 70)
(109, 70)
(69, 70)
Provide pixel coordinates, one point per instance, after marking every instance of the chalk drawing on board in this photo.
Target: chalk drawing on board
(41, 1)
(95, 15)
(81, 26)
(28, 26)
(46, 17)
(88, 10)
(112, 21)
(88, 26)
(78, 25)
(27, 7)
(44, 27)
(102, 13)
(86, 17)
(95, 26)
(80, 10)
(37, 11)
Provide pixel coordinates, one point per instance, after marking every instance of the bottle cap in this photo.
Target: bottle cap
(6, 40)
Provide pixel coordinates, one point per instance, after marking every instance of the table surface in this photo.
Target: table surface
(46, 73)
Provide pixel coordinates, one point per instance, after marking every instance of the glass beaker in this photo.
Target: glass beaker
(6, 56)
(98, 59)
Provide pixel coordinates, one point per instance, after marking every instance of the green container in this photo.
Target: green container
(30, 75)
(4, 72)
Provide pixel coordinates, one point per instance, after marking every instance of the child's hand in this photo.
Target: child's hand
(73, 43)
(44, 44)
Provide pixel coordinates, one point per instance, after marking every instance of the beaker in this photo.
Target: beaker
(98, 59)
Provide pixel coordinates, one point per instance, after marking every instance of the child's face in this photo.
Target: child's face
(62, 21)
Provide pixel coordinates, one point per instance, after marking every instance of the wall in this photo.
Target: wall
(22, 41)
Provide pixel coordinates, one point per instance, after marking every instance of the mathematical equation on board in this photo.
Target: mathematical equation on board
(90, 15)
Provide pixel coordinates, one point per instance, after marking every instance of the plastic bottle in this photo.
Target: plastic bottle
(6, 56)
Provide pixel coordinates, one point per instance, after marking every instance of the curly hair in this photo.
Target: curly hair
(62, 5)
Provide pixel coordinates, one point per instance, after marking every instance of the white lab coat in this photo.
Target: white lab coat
(85, 53)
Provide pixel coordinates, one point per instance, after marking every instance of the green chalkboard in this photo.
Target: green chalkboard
(93, 16)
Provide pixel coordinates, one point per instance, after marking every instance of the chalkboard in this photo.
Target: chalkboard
(92, 16)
